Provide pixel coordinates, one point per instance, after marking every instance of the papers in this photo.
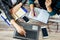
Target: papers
(21, 12)
(41, 15)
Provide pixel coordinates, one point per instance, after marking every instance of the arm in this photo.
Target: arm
(31, 3)
(10, 18)
(16, 8)
(49, 8)
(52, 11)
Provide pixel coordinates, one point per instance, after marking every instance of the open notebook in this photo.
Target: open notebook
(40, 15)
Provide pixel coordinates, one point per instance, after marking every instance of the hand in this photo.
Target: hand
(48, 3)
(19, 28)
(21, 31)
(32, 13)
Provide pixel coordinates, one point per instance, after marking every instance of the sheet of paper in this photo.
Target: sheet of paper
(42, 15)
(20, 12)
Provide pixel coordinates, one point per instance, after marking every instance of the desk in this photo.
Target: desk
(55, 19)
(33, 22)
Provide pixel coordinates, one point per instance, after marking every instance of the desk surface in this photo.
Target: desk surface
(55, 18)
(33, 22)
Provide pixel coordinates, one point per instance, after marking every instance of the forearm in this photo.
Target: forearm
(14, 23)
(31, 7)
(16, 8)
(51, 11)
(31, 3)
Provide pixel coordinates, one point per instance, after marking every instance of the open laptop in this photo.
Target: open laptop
(40, 15)
(32, 32)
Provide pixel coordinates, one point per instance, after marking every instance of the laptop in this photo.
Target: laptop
(32, 32)
(40, 15)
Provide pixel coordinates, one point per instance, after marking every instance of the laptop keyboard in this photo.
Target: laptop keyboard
(29, 34)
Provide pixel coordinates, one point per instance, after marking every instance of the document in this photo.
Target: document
(41, 15)
(20, 13)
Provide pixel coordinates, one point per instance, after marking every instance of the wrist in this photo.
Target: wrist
(12, 21)
(49, 9)
(48, 6)
(32, 9)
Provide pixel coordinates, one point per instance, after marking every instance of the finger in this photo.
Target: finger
(46, 1)
(25, 35)
(49, 0)
(22, 33)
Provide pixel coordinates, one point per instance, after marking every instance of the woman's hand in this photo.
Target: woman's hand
(19, 28)
(32, 13)
(48, 3)
(32, 10)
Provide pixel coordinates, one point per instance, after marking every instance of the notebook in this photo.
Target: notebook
(40, 15)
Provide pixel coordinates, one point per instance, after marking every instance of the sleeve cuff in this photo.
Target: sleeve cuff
(52, 13)
(31, 2)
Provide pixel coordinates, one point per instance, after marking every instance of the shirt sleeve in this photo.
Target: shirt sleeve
(6, 10)
(55, 9)
(23, 1)
(52, 13)
(31, 2)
